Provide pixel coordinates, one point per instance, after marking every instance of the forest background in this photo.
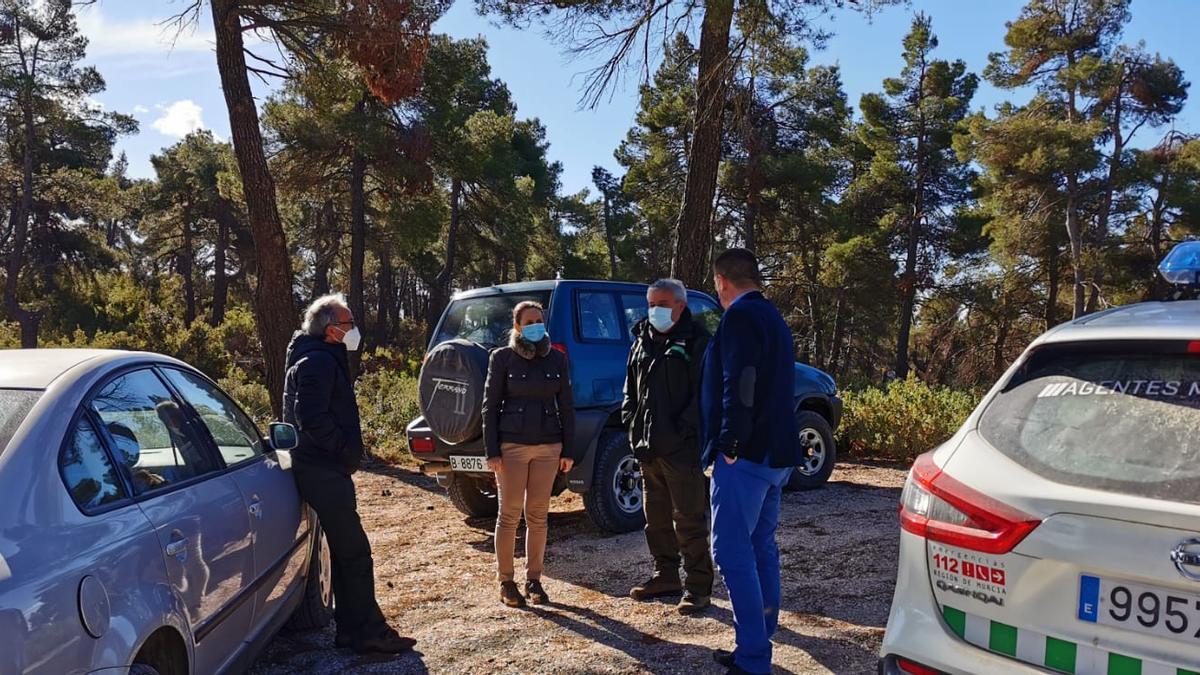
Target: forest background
(914, 239)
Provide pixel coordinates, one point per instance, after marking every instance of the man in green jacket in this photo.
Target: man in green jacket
(661, 412)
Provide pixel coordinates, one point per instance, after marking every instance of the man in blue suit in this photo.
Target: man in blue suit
(748, 430)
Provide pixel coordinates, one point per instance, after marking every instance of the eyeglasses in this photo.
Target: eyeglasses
(344, 323)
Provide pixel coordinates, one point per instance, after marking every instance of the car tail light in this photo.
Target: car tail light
(421, 444)
(915, 668)
(939, 508)
(560, 347)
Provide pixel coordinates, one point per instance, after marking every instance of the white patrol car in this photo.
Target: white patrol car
(1059, 529)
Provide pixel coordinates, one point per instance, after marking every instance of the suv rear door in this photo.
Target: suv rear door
(197, 512)
(278, 519)
(601, 346)
(1100, 441)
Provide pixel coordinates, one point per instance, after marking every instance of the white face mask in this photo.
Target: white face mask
(660, 318)
(352, 339)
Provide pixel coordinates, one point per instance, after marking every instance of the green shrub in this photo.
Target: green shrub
(250, 394)
(903, 420)
(387, 401)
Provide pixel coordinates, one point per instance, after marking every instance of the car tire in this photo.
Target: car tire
(816, 438)
(470, 499)
(143, 669)
(615, 500)
(316, 609)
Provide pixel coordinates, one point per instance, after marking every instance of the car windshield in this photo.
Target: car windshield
(1121, 417)
(14, 406)
(485, 319)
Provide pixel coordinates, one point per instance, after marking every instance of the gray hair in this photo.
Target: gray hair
(322, 313)
(674, 285)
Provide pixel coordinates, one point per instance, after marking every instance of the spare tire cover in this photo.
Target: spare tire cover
(451, 388)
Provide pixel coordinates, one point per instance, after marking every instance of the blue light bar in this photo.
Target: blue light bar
(1182, 265)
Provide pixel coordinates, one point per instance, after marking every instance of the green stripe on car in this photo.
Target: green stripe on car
(1056, 654)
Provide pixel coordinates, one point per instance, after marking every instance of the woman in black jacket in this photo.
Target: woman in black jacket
(528, 428)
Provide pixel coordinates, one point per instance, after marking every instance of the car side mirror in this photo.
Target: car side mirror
(283, 436)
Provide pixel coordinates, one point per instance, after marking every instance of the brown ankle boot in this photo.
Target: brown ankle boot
(535, 592)
(511, 595)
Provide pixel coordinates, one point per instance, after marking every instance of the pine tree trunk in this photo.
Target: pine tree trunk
(609, 237)
(28, 320)
(358, 249)
(385, 298)
(185, 263)
(274, 306)
(839, 330)
(908, 283)
(358, 235)
(445, 278)
(1074, 236)
(1052, 272)
(220, 276)
(755, 175)
(328, 241)
(694, 227)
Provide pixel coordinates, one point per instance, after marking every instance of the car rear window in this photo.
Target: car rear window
(486, 319)
(1120, 417)
(14, 406)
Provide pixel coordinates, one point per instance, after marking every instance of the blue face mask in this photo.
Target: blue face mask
(534, 332)
(660, 318)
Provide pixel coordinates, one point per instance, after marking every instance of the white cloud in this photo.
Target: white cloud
(140, 109)
(179, 119)
(141, 36)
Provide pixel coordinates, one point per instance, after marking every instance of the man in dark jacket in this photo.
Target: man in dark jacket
(319, 401)
(662, 383)
(749, 432)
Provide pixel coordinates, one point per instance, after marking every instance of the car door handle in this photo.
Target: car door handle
(178, 548)
(256, 509)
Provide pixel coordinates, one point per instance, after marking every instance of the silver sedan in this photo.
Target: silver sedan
(146, 525)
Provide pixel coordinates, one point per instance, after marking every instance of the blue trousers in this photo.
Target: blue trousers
(745, 514)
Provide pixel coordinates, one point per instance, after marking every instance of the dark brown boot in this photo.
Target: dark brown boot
(693, 603)
(658, 586)
(511, 595)
(535, 592)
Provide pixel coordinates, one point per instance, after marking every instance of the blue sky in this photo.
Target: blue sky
(172, 89)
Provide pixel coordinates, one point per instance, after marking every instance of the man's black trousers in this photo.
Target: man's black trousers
(677, 521)
(331, 494)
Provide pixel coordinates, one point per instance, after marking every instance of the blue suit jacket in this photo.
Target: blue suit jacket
(747, 387)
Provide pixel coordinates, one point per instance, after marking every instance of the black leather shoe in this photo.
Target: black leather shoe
(724, 658)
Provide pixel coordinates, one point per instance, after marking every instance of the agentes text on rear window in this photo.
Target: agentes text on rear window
(486, 319)
(1121, 417)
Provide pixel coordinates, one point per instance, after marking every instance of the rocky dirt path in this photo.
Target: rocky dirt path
(435, 582)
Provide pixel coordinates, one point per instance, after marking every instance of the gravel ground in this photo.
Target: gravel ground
(435, 581)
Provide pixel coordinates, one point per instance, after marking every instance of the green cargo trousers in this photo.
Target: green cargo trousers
(676, 495)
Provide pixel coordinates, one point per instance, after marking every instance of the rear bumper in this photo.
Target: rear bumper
(419, 429)
(916, 631)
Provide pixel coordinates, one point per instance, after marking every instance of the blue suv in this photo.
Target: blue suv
(590, 321)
